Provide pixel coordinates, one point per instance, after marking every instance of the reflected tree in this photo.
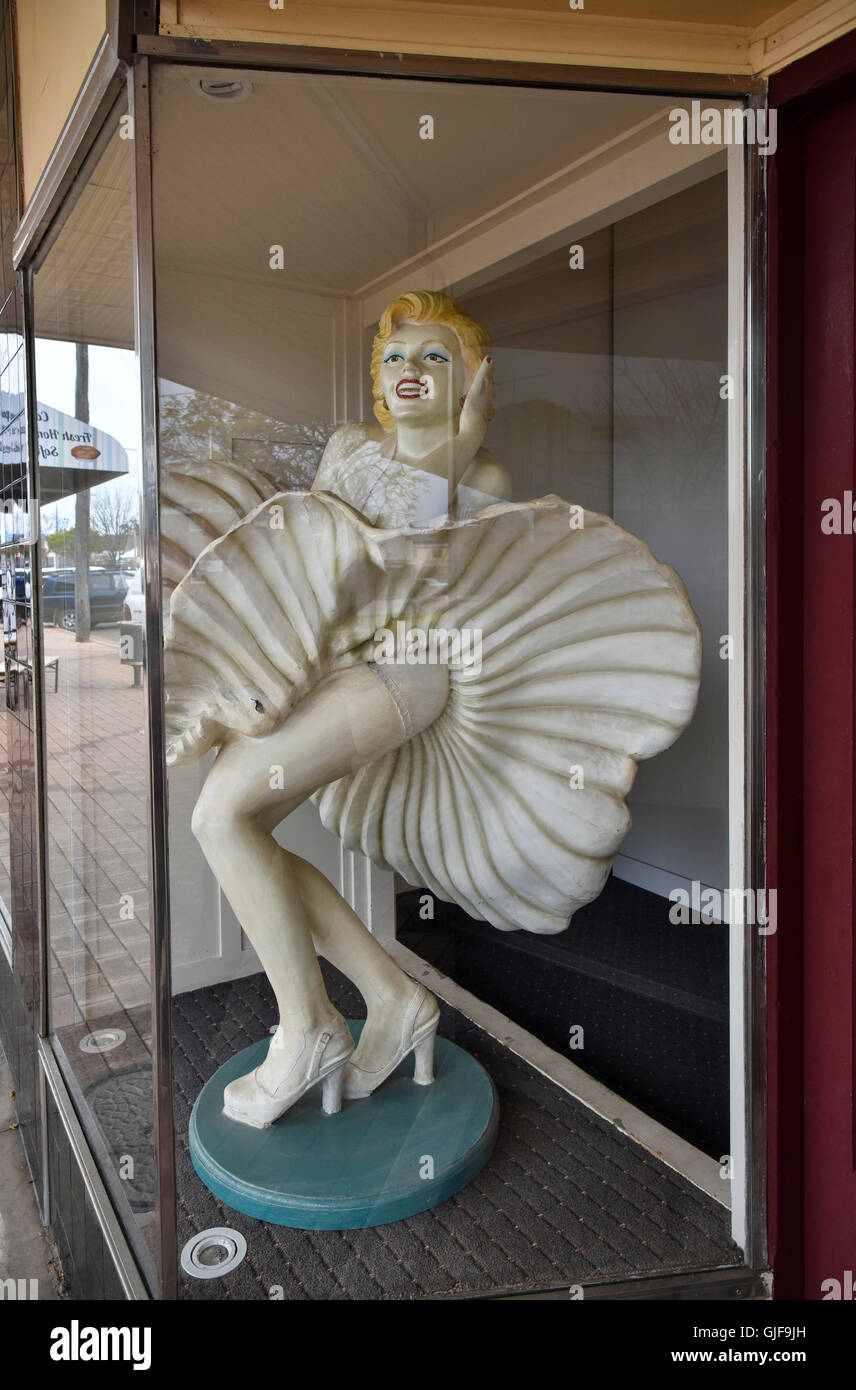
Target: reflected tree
(196, 426)
(114, 521)
(82, 616)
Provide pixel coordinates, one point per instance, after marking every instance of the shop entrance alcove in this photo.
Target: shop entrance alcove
(607, 265)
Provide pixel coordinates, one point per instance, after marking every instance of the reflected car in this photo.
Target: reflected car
(135, 599)
(22, 586)
(107, 590)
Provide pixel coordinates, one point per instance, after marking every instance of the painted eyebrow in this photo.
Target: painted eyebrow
(400, 342)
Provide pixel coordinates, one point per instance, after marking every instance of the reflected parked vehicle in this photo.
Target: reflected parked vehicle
(135, 599)
(22, 586)
(107, 590)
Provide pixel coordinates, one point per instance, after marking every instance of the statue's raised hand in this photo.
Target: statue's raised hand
(472, 425)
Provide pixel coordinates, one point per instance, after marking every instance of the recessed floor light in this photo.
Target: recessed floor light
(213, 1253)
(103, 1040)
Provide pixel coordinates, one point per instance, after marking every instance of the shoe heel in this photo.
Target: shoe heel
(331, 1090)
(423, 1059)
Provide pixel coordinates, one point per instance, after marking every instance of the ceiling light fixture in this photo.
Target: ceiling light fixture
(223, 89)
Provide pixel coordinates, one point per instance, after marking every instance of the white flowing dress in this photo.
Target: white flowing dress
(512, 804)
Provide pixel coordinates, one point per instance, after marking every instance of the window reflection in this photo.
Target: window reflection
(87, 383)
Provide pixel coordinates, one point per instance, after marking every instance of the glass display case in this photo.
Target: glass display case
(595, 254)
(262, 845)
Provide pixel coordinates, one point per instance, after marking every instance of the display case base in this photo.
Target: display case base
(403, 1150)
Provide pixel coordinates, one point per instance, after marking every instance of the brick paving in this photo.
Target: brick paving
(97, 837)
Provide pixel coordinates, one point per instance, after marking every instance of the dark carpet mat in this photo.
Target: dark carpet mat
(123, 1104)
(650, 996)
(565, 1198)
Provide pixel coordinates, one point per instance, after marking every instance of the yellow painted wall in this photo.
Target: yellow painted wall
(56, 42)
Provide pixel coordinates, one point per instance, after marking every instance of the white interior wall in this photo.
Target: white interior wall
(280, 353)
(670, 487)
(271, 348)
(608, 394)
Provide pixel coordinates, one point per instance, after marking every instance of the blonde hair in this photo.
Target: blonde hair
(426, 306)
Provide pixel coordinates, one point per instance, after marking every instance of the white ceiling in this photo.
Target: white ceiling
(84, 292)
(334, 169)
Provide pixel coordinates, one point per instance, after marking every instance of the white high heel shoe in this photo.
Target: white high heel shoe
(248, 1101)
(418, 1032)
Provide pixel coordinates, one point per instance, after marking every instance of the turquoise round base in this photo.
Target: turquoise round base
(404, 1150)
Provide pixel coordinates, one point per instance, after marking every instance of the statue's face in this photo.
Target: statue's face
(422, 374)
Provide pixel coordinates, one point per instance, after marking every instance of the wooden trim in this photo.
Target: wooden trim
(434, 67)
(581, 38)
(408, 26)
(799, 30)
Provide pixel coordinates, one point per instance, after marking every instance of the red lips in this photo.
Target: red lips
(409, 388)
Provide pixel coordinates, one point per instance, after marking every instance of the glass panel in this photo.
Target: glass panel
(20, 988)
(589, 255)
(15, 588)
(87, 379)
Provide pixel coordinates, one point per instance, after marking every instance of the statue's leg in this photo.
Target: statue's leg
(343, 939)
(286, 907)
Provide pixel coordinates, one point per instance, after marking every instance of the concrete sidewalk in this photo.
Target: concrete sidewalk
(24, 1251)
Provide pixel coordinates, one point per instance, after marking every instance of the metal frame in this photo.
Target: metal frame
(60, 1078)
(94, 125)
(114, 1237)
(153, 681)
(46, 213)
(5, 935)
(39, 727)
(755, 976)
(103, 1162)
